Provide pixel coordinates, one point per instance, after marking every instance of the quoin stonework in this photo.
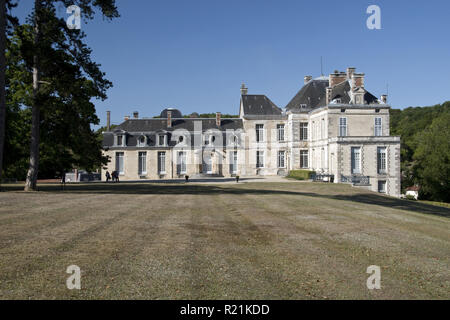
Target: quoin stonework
(332, 126)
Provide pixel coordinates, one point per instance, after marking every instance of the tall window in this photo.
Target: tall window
(260, 159)
(233, 162)
(378, 127)
(304, 159)
(322, 158)
(281, 159)
(342, 127)
(259, 133)
(280, 129)
(142, 165)
(119, 162)
(381, 160)
(313, 131)
(181, 162)
(304, 131)
(161, 162)
(161, 140)
(120, 140)
(322, 129)
(356, 160)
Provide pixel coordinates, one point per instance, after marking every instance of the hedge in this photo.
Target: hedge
(301, 174)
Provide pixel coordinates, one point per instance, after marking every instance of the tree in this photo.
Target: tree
(433, 160)
(2, 80)
(409, 124)
(51, 36)
(4, 19)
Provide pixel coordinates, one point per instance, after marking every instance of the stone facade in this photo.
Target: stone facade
(340, 130)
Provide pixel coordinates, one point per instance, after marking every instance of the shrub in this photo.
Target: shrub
(301, 174)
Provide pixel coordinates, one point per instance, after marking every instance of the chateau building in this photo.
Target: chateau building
(332, 126)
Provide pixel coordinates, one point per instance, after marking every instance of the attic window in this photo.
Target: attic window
(120, 141)
(342, 110)
(142, 141)
(162, 140)
(303, 106)
(377, 110)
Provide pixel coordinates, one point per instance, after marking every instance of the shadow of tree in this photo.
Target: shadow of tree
(238, 189)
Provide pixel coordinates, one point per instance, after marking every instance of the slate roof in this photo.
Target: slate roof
(313, 94)
(342, 89)
(154, 125)
(135, 128)
(259, 105)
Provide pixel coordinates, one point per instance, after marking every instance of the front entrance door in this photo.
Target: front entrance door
(207, 164)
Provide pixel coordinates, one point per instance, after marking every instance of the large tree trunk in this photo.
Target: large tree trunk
(33, 170)
(2, 81)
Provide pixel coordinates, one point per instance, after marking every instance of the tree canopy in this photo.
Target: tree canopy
(68, 83)
(425, 148)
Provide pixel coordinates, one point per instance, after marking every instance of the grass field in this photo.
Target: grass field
(279, 240)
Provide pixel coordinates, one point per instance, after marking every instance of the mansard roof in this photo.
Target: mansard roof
(259, 105)
(135, 128)
(313, 95)
(155, 125)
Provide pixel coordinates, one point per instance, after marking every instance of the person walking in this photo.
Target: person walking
(108, 176)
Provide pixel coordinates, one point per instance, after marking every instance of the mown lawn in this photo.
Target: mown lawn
(286, 240)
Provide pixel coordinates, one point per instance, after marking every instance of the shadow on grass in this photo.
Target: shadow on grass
(238, 189)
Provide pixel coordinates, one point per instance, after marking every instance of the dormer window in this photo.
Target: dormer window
(359, 99)
(162, 140)
(142, 141)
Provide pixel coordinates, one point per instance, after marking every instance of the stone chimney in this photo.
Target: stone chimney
(244, 90)
(136, 115)
(350, 72)
(307, 79)
(169, 119)
(108, 120)
(337, 77)
(218, 119)
(358, 80)
(126, 118)
(384, 98)
(329, 92)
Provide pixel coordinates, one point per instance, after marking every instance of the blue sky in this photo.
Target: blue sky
(194, 55)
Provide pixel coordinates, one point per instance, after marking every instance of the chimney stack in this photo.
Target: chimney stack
(337, 77)
(329, 93)
(136, 115)
(308, 79)
(169, 119)
(358, 80)
(350, 72)
(384, 98)
(218, 119)
(244, 90)
(108, 121)
(126, 118)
